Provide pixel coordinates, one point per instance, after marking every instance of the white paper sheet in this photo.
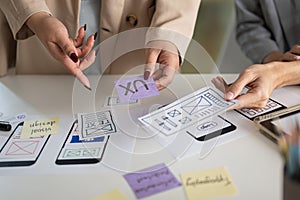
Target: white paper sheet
(186, 111)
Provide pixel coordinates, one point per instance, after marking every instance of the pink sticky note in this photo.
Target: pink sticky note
(134, 88)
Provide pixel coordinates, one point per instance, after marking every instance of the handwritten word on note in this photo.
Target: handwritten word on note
(151, 180)
(115, 194)
(134, 88)
(40, 127)
(208, 184)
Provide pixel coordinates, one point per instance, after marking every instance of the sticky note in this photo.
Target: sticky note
(134, 88)
(208, 184)
(115, 194)
(40, 127)
(151, 181)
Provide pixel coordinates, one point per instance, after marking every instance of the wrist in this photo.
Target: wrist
(273, 56)
(286, 73)
(36, 19)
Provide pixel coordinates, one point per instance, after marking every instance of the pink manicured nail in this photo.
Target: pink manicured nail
(146, 75)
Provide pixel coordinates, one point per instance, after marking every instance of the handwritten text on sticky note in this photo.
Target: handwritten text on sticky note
(134, 88)
(208, 184)
(40, 127)
(151, 180)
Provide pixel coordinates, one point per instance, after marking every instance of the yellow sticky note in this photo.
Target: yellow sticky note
(208, 184)
(115, 194)
(40, 127)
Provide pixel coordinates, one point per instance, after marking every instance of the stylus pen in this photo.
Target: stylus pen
(5, 126)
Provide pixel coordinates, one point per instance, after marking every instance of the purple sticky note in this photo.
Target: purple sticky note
(134, 88)
(151, 180)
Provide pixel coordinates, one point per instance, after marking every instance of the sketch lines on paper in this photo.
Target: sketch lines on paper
(186, 111)
(96, 124)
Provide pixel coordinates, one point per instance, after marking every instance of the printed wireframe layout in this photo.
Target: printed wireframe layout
(186, 111)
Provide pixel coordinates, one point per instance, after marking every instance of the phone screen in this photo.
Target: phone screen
(18, 151)
(76, 151)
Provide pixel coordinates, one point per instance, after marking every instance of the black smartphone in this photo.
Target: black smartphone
(18, 151)
(208, 129)
(77, 151)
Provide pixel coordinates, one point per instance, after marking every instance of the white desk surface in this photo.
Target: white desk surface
(253, 162)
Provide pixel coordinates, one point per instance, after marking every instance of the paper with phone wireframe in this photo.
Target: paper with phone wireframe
(95, 124)
(186, 111)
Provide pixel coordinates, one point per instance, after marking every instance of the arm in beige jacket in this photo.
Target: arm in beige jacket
(175, 21)
(18, 11)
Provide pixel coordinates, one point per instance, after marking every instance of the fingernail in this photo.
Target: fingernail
(88, 88)
(229, 95)
(74, 57)
(95, 35)
(146, 75)
(84, 28)
(216, 80)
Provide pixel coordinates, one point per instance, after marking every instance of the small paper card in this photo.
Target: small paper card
(40, 127)
(115, 194)
(92, 125)
(151, 181)
(115, 101)
(208, 184)
(134, 88)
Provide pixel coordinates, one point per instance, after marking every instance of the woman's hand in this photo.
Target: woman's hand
(166, 55)
(55, 37)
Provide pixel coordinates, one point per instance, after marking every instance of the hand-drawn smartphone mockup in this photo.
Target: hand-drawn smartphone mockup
(21, 151)
(271, 106)
(208, 129)
(76, 151)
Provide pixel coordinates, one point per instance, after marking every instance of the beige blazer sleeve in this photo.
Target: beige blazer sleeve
(18, 11)
(174, 21)
(7, 47)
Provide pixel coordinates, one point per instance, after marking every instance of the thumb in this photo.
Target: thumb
(151, 60)
(237, 86)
